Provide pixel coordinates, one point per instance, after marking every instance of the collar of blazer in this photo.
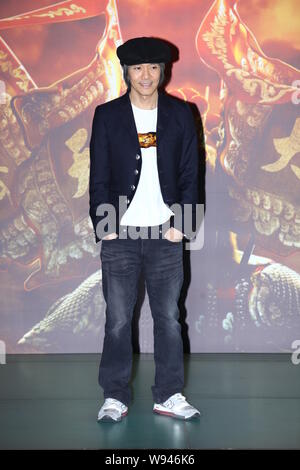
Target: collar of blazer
(163, 117)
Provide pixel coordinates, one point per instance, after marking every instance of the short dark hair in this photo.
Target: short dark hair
(127, 80)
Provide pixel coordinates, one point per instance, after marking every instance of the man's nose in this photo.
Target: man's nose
(145, 72)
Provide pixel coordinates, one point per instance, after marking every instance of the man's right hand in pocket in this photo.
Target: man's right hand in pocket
(110, 236)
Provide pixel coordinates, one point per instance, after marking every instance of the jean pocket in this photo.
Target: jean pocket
(174, 241)
(109, 239)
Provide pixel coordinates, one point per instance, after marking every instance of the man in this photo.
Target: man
(144, 147)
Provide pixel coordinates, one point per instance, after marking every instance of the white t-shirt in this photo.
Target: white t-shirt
(147, 207)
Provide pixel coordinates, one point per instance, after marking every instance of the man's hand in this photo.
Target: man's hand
(173, 235)
(110, 236)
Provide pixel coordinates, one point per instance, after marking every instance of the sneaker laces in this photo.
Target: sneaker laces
(112, 401)
(175, 399)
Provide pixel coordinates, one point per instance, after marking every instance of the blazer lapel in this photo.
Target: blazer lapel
(163, 116)
(127, 119)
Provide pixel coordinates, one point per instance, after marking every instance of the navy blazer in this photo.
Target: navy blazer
(115, 157)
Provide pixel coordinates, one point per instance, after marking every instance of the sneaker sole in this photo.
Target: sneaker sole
(109, 419)
(172, 415)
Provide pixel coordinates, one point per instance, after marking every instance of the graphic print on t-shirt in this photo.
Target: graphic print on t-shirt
(147, 139)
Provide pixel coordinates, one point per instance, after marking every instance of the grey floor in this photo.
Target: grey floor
(247, 401)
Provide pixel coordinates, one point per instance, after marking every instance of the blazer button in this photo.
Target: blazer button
(128, 201)
(136, 172)
(137, 156)
(132, 187)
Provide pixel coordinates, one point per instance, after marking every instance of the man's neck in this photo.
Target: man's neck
(144, 102)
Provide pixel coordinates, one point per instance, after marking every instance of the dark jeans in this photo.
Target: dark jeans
(162, 265)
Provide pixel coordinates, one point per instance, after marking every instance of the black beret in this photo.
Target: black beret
(144, 50)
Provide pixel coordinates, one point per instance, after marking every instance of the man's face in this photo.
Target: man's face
(144, 78)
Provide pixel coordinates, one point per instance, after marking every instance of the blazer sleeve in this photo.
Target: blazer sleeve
(99, 168)
(188, 175)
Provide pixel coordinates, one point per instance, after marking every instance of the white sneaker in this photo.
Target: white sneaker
(112, 410)
(176, 406)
